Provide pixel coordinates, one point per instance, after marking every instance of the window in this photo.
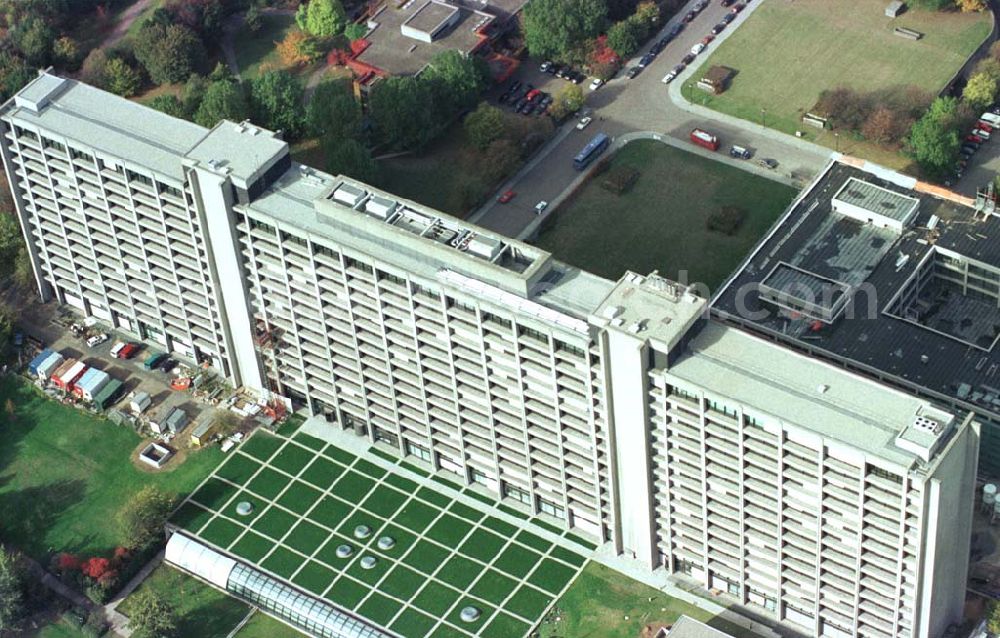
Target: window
(319, 249)
(47, 143)
(384, 436)
(294, 239)
(515, 493)
(886, 474)
(531, 333)
(722, 408)
(478, 476)
(384, 276)
(489, 317)
(138, 177)
(565, 347)
(256, 224)
(419, 451)
(548, 507)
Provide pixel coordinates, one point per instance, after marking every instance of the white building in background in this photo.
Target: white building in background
(829, 501)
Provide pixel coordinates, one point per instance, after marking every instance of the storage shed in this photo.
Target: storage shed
(47, 367)
(140, 402)
(200, 435)
(894, 9)
(108, 394)
(90, 383)
(39, 360)
(177, 421)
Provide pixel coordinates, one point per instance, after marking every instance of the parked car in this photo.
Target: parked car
(729, 17)
(740, 152)
(504, 98)
(656, 49)
(532, 94)
(96, 340)
(707, 39)
(687, 59)
(596, 83)
(506, 196)
(154, 360)
(719, 28)
(728, 3)
(128, 351)
(689, 16)
(969, 148)
(700, 6)
(634, 71)
(676, 30)
(540, 207)
(698, 48)
(767, 162)
(669, 77)
(974, 139)
(680, 67)
(665, 40)
(982, 133)
(167, 365)
(578, 77)
(646, 60)
(545, 66)
(515, 85)
(584, 123)
(117, 348)
(560, 71)
(736, 9)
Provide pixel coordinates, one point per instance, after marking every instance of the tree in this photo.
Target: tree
(934, 141)
(321, 18)
(204, 17)
(401, 109)
(297, 48)
(151, 616)
(24, 276)
(11, 242)
(223, 100)
(11, 591)
(169, 104)
(501, 158)
(121, 79)
(880, 127)
(14, 74)
(193, 94)
(625, 37)
(456, 80)
(980, 91)
(993, 617)
(971, 5)
(484, 125)
(276, 102)
(66, 52)
(142, 517)
(33, 37)
(169, 53)
(355, 31)
(349, 157)
(568, 100)
(252, 18)
(334, 111)
(553, 27)
(94, 67)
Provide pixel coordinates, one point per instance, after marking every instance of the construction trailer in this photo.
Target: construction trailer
(66, 375)
(92, 382)
(47, 367)
(38, 360)
(106, 397)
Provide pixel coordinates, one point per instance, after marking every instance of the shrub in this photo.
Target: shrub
(726, 220)
(620, 180)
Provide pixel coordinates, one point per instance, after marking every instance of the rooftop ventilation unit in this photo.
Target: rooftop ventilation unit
(924, 424)
(348, 195)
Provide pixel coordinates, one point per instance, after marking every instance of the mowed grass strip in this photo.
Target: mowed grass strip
(221, 532)
(306, 537)
(379, 609)
(191, 517)
(384, 501)
(412, 624)
(315, 577)
(238, 468)
(299, 497)
(268, 483)
(517, 561)
(347, 592)
(261, 445)
(252, 547)
(448, 530)
(322, 473)
(402, 582)
(818, 45)
(214, 494)
(505, 626)
(528, 602)
(551, 576)
(482, 545)
(283, 562)
(660, 223)
(493, 586)
(292, 459)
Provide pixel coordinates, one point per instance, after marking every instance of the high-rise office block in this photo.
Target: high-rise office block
(824, 498)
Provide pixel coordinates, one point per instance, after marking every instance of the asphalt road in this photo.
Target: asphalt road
(642, 104)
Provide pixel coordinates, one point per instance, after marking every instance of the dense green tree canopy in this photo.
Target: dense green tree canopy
(552, 28)
(402, 109)
(321, 18)
(934, 139)
(276, 102)
(484, 125)
(456, 80)
(334, 111)
(169, 52)
(151, 616)
(349, 157)
(11, 592)
(223, 100)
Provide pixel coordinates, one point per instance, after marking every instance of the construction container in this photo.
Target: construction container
(37, 361)
(47, 367)
(63, 369)
(140, 402)
(108, 394)
(92, 382)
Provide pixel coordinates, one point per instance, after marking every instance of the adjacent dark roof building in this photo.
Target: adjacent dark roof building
(886, 276)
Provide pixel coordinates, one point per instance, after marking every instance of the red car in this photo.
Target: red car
(984, 126)
(708, 38)
(128, 351)
(737, 8)
(506, 196)
(532, 94)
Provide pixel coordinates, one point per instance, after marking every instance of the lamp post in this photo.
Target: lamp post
(836, 136)
(763, 112)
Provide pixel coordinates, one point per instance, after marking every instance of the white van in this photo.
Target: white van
(992, 118)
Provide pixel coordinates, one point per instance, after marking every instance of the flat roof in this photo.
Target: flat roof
(650, 308)
(431, 16)
(106, 123)
(882, 201)
(803, 391)
(241, 150)
(871, 335)
(418, 239)
(395, 53)
(687, 627)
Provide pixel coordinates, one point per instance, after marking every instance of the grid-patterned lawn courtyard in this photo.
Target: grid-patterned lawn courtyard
(308, 498)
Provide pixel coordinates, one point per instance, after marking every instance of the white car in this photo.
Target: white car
(596, 84)
(992, 118)
(669, 77)
(118, 347)
(584, 123)
(698, 48)
(540, 207)
(97, 340)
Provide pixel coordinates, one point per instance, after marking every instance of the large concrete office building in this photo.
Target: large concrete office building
(824, 498)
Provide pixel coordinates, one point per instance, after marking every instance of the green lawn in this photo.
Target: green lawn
(255, 49)
(65, 473)
(600, 599)
(261, 625)
(819, 44)
(660, 223)
(202, 611)
(60, 629)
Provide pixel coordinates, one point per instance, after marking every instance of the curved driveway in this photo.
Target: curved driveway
(645, 104)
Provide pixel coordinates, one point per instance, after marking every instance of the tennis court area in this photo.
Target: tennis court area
(434, 551)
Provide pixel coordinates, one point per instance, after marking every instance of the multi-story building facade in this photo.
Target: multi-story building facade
(617, 409)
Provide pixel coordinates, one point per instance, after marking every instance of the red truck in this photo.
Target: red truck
(705, 139)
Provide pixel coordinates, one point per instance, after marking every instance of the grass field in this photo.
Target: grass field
(602, 602)
(819, 44)
(261, 625)
(65, 473)
(256, 49)
(308, 499)
(202, 611)
(660, 223)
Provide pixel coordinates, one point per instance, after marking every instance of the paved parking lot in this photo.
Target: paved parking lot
(44, 322)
